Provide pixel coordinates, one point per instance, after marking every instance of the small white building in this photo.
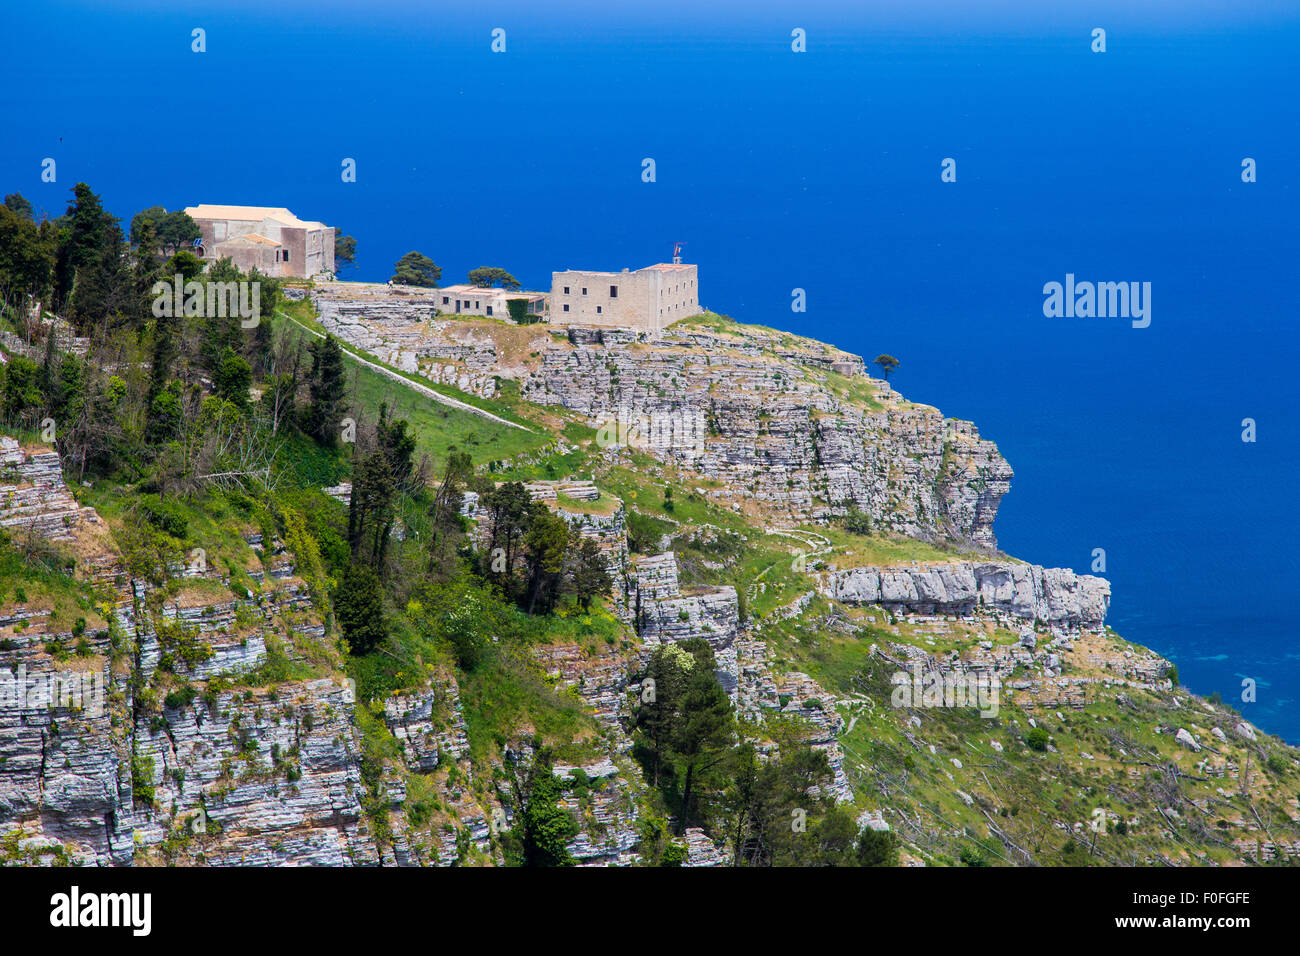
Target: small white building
(480, 300)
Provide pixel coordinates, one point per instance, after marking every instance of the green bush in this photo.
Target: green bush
(877, 848)
(644, 532)
(675, 854)
(164, 516)
(1037, 739)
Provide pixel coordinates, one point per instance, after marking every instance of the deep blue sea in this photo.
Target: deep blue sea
(816, 170)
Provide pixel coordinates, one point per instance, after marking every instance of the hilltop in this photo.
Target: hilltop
(482, 630)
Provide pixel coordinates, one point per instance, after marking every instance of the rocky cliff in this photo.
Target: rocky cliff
(1056, 597)
(159, 709)
(787, 421)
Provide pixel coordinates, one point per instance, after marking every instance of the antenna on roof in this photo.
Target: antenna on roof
(677, 252)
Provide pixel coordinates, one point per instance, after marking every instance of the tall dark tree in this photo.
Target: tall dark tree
(398, 446)
(546, 543)
(704, 733)
(326, 401)
(84, 234)
(547, 828)
(657, 712)
(587, 575)
(261, 341)
(447, 529)
(17, 202)
(507, 509)
(359, 608)
(370, 511)
(686, 729)
(27, 258)
(64, 384)
(161, 418)
(379, 476)
(105, 294)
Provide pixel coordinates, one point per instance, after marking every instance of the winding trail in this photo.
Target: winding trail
(415, 386)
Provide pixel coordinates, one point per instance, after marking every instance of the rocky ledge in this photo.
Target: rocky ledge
(1056, 597)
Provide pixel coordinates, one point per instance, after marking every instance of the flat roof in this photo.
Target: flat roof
(659, 267)
(250, 214)
(486, 291)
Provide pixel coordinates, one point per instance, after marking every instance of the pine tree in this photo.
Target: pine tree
(82, 240)
(326, 403)
(359, 608)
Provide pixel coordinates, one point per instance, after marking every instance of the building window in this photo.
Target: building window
(613, 292)
(566, 290)
(286, 255)
(584, 290)
(489, 310)
(566, 307)
(598, 310)
(445, 300)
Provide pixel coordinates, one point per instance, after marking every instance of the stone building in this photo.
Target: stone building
(271, 239)
(648, 299)
(480, 300)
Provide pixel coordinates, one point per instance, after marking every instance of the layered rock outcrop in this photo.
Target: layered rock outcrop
(790, 422)
(665, 614)
(787, 421)
(1056, 597)
(34, 501)
(143, 750)
(264, 776)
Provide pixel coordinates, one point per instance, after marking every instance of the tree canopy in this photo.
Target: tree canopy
(415, 268)
(490, 276)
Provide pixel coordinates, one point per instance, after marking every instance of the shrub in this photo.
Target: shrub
(644, 532)
(164, 516)
(877, 848)
(1037, 739)
(675, 854)
(182, 696)
(971, 857)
